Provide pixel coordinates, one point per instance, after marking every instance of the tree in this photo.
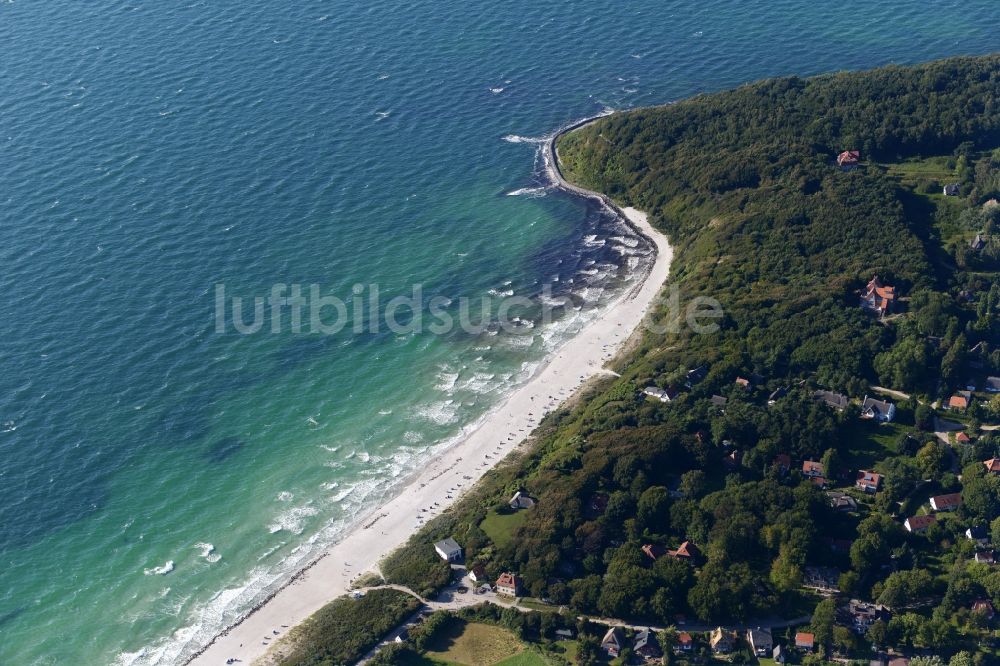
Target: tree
(962, 658)
(878, 633)
(653, 512)
(903, 366)
(822, 621)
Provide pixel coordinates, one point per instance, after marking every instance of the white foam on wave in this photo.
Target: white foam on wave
(293, 520)
(446, 380)
(208, 552)
(167, 567)
(531, 192)
(496, 91)
(444, 412)
(412, 437)
(285, 496)
(516, 138)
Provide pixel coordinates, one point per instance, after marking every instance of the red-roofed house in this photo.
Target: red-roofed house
(812, 469)
(946, 502)
(919, 524)
(958, 402)
(877, 297)
(962, 438)
(684, 642)
(653, 551)
(868, 481)
(509, 584)
(849, 159)
(686, 551)
(805, 641)
(992, 465)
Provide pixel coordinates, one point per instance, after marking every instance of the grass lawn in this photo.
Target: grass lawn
(871, 442)
(567, 649)
(499, 527)
(475, 644)
(523, 659)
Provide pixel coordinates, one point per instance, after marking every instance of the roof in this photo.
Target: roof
(977, 532)
(962, 437)
(993, 384)
(613, 635)
(684, 638)
(759, 635)
(835, 400)
(992, 465)
(508, 579)
(921, 522)
(958, 402)
(812, 467)
(849, 157)
(521, 501)
(948, 501)
(654, 551)
(867, 478)
(719, 401)
(804, 639)
(686, 549)
(448, 545)
(879, 406)
(644, 638)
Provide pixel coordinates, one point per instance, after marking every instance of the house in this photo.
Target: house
(978, 534)
(992, 385)
(963, 438)
(985, 557)
(983, 607)
(402, 636)
(653, 551)
(841, 501)
(733, 460)
(861, 615)
(777, 394)
(783, 462)
(819, 481)
(477, 574)
(448, 550)
(978, 243)
(805, 641)
(948, 502)
(992, 465)
(646, 645)
(564, 634)
(812, 469)
(521, 501)
(743, 382)
(696, 375)
(719, 401)
(613, 642)
(879, 410)
(919, 524)
(951, 190)
(958, 402)
(823, 579)
(722, 641)
(663, 395)
(684, 642)
(849, 159)
(509, 585)
(868, 481)
(992, 203)
(834, 400)
(778, 655)
(878, 298)
(760, 641)
(686, 551)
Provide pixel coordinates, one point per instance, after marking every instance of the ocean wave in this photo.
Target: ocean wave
(208, 552)
(515, 138)
(167, 567)
(531, 192)
(293, 520)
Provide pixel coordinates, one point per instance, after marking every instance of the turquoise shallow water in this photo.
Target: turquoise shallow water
(149, 151)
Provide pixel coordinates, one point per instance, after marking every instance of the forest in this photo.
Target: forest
(746, 185)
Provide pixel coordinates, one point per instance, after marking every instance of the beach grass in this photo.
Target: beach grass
(475, 644)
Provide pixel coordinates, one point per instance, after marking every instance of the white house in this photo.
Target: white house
(448, 550)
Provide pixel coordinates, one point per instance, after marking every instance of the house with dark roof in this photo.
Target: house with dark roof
(878, 410)
(646, 645)
(448, 550)
(477, 573)
(979, 534)
(719, 401)
(654, 551)
(841, 501)
(613, 642)
(778, 655)
(978, 243)
(985, 557)
(949, 502)
(835, 400)
(783, 462)
(984, 607)
(877, 297)
(919, 524)
(950, 190)
(823, 579)
(992, 465)
(760, 641)
(861, 615)
(520, 500)
(722, 641)
(868, 481)
(777, 394)
(992, 385)
(696, 375)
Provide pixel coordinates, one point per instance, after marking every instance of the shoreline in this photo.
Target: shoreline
(458, 468)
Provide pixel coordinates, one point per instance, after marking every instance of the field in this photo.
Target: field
(475, 644)
(499, 527)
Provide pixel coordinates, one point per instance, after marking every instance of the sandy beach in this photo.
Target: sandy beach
(503, 430)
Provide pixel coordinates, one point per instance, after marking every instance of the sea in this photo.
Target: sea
(163, 470)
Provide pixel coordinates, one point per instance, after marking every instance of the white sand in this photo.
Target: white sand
(456, 470)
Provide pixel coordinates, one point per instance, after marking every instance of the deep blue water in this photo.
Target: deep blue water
(149, 151)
